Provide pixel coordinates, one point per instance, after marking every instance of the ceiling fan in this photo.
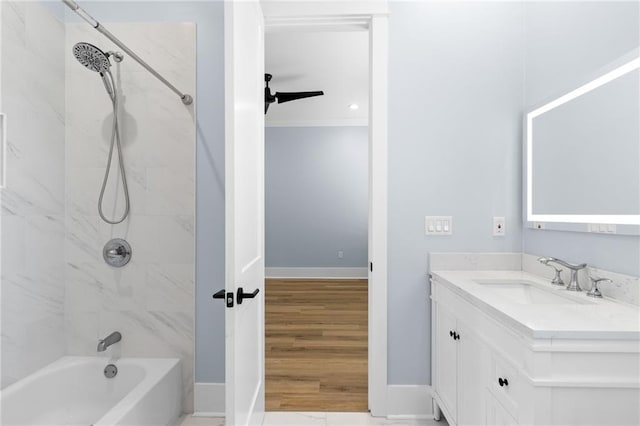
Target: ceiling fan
(283, 96)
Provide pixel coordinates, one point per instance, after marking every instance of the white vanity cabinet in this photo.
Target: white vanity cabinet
(458, 380)
(488, 369)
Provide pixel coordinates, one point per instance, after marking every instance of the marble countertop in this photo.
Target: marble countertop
(582, 317)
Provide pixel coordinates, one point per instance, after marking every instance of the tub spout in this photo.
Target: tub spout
(114, 337)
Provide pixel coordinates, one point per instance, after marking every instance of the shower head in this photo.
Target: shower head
(92, 57)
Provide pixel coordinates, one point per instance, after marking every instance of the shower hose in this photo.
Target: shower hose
(110, 85)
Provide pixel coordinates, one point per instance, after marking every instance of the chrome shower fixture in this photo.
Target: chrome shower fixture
(94, 59)
(117, 252)
(111, 339)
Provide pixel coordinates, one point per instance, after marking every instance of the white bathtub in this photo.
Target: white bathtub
(74, 391)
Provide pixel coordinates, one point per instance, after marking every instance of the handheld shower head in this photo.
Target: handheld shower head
(92, 57)
(96, 60)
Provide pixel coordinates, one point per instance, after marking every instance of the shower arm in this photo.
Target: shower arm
(186, 99)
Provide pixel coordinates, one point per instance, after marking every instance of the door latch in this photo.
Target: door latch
(222, 295)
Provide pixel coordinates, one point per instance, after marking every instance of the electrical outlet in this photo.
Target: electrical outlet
(340, 254)
(499, 227)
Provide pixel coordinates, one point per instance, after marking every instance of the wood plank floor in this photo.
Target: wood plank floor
(316, 345)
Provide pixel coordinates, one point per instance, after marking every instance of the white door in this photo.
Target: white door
(244, 215)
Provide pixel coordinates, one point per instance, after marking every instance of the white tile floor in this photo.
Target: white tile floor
(202, 421)
(317, 419)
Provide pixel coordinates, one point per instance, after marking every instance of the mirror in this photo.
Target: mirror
(582, 155)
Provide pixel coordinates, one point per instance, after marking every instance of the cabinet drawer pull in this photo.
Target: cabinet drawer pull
(456, 336)
(503, 382)
(451, 333)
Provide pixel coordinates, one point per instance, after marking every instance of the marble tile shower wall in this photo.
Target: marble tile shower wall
(33, 217)
(150, 301)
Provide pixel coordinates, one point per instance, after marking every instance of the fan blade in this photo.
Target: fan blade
(292, 96)
(268, 97)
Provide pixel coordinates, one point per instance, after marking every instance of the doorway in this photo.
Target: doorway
(244, 385)
(316, 221)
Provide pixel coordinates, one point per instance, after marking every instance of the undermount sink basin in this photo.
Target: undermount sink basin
(528, 293)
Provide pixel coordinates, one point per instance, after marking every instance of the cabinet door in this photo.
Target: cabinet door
(446, 359)
(473, 372)
(496, 414)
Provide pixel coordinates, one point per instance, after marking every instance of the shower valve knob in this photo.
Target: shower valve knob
(117, 252)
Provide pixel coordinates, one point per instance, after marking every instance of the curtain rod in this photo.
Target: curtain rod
(186, 99)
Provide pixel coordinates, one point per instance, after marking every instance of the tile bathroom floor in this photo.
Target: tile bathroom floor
(281, 418)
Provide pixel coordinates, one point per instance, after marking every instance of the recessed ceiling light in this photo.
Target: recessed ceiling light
(354, 106)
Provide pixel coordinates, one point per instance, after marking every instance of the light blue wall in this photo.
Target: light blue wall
(209, 18)
(567, 42)
(316, 196)
(455, 89)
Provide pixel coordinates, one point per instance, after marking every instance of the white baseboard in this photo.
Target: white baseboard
(316, 272)
(208, 400)
(403, 401)
(409, 402)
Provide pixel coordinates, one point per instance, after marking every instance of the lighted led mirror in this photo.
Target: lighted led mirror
(582, 155)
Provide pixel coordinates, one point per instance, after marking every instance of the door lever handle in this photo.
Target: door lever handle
(222, 295)
(242, 295)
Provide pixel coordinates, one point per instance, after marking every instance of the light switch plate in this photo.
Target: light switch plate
(438, 225)
(602, 228)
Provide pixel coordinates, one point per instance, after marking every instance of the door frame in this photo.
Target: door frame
(371, 17)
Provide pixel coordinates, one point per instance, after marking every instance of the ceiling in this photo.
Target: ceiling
(334, 62)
